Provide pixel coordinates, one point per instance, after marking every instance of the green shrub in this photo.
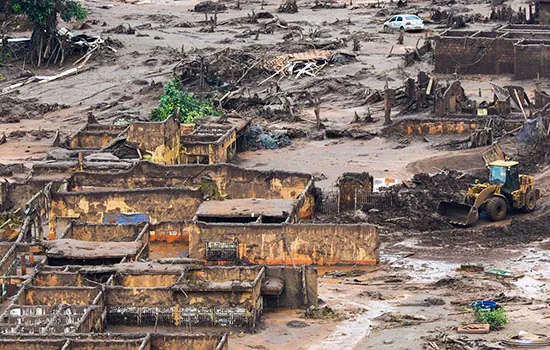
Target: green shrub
(190, 107)
(496, 318)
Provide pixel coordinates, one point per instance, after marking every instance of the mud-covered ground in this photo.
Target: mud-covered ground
(385, 307)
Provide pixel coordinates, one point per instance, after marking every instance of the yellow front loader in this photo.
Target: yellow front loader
(506, 190)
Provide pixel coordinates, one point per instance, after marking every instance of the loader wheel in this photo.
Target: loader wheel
(497, 208)
(530, 201)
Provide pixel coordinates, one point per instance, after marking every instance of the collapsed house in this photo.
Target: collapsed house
(166, 142)
(518, 49)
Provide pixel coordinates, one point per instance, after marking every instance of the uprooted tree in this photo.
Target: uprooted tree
(43, 15)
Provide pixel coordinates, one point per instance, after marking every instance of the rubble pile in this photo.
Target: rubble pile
(12, 110)
(413, 204)
(223, 69)
(256, 137)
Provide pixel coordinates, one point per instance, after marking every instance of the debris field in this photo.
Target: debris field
(246, 174)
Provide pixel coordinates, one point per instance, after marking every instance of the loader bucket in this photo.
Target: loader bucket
(458, 213)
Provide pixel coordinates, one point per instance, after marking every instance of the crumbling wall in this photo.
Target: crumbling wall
(161, 139)
(160, 204)
(196, 149)
(178, 342)
(353, 188)
(17, 194)
(300, 288)
(532, 59)
(92, 139)
(58, 295)
(544, 12)
(58, 278)
(31, 344)
(289, 244)
(152, 341)
(202, 296)
(102, 232)
(95, 136)
(432, 127)
(469, 52)
(163, 306)
(233, 181)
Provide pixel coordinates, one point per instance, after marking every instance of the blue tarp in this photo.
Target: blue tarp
(125, 219)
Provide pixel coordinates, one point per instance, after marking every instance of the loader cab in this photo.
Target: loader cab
(505, 174)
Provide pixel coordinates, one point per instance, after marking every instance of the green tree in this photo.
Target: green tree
(43, 15)
(190, 107)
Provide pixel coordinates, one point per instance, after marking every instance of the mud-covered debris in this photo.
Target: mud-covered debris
(315, 312)
(297, 324)
(470, 268)
(375, 295)
(123, 28)
(256, 137)
(209, 7)
(328, 4)
(434, 301)
(60, 154)
(288, 6)
(13, 109)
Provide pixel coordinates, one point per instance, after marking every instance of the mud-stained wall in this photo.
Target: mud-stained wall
(207, 296)
(115, 342)
(57, 296)
(481, 53)
(353, 188)
(175, 342)
(160, 204)
(103, 232)
(532, 59)
(17, 194)
(208, 150)
(233, 181)
(161, 139)
(431, 127)
(146, 280)
(95, 135)
(52, 279)
(300, 286)
(544, 12)
(171, 307)
(107, 345)
(89, 139)
(289, 244)
(171, 231)
(31, 344)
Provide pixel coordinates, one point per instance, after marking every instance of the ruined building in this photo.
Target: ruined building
(120, 249)
(515, 49)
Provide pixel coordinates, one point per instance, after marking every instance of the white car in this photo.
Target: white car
(404, 23)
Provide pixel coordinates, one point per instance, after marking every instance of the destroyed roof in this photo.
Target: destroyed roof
(75, 249)
(249, 207)
(279, 62)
